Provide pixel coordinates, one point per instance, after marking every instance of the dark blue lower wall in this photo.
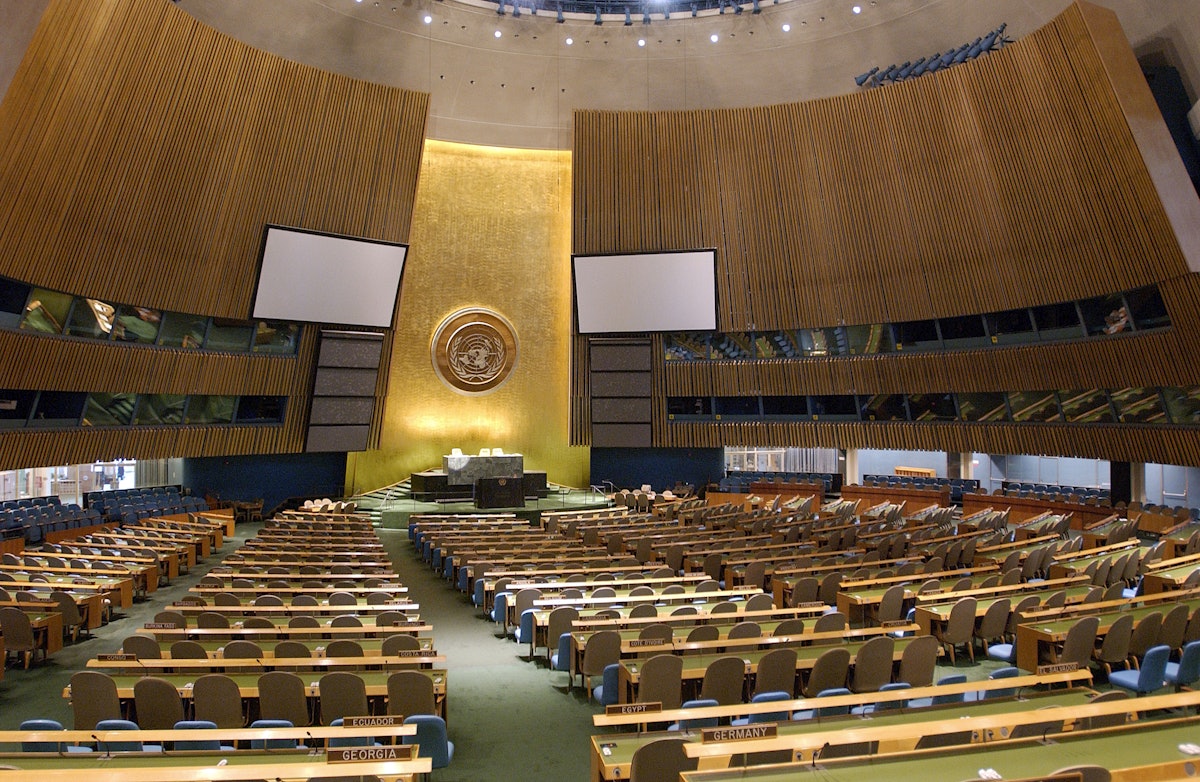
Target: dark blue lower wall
(662, 468)
(273, 478)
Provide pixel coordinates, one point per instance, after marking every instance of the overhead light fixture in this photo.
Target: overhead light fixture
(428, 19)
(498, 33)
(787, 28)
(713, 38)
(641, 41)
(570, 41)
(857, 9)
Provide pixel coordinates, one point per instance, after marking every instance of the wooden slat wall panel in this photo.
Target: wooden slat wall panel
(144, 152)
(142, 155)
(1009, 181)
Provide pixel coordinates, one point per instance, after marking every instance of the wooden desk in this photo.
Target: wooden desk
(1022, 508)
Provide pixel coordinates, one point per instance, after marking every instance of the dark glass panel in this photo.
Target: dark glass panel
(1041, 406)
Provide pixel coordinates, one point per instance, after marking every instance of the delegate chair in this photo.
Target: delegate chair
(342, 694)
(72, 619)
(200, 745)
(1114, 649)
(273, 743)
(291, 650)
(873, 665)
(918, 661)
(143, 646)
(344, 647)
(282, 696)
(828, 672)
(723, 680)
(603, 649)
(607, 692)
(662, 760)
(1145, 635)
(18, 634)
(398, 643)
(43, 725)
(959, 629)
(1150, 677)
(243, 650)
(157, 703)
(188, 650)
(431, 739)
(410, 692)
(108, 747)
(776, 672)
(559, 622)
(662, 681)
(1186, 672)
(217, 699)
(994, 623)
(93, 699)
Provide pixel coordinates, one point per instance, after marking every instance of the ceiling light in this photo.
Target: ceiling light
(713, 38)
(857, 9)
(570, 41)
(787, 28)
(428, 19)
(498, 33)
(641, 41)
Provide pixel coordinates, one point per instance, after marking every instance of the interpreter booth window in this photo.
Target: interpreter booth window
(1010, 327)
(137, 324)
(1147, 308)
(883, 407)
(1139, 406)
(58, 409)
(772, 344)
(814, 342)
(868, 339)
(785, 406)
(731, 346)
(1034, 406)
(736, 406)
(109, 409)
(932, 407)
(260, 409)
(963, 332)
(1058, 321)
(91, 318)
(15, 407)
(1086, 407)
(1183, 404)
(833, 408)
(180, 330)
(276, 337)
(210, 410)
(46, 311)
(983, 407)
(1105, 315)
(232, 336)
(916, 335)
(161, 409)
(13, 296)
(685, 346)
(689, 406)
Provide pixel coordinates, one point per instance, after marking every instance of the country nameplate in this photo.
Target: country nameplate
(742, 733)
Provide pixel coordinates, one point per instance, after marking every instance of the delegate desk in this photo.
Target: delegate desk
(895, 730)
(279, 632)
(935, 613)
(1148, 750)
(1023, 508)
(91, 606)
(375, 682)
(1170, 574)
(47, 624)
(371, 645)
(118, 590)
(1038, 638)
(423, 659)
(694, 665)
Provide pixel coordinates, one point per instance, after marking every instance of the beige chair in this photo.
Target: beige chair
(410, 692)
(145, 647)
(212, 620)
(918, 661)
(188, 650)
(342, 599)
(344, 647)
(242, 650)
(873, 664)
(993, 624)
(1114, 649)
(793, 626)
(659, 631)
(282, 696)
(763, 602)
(641, 610)
(19, 636)
(661, 681)
(346, 620)
(72, 619)
(1145, 635)
(703, 633)
(216, 698)
(1080, 642)
(724, 680)
(93, 698)
(776, 672)
(603, 649)
(828, 672)
(662, 760)
(291, 650)
(745, 630)
(157, 703)
(959, 628)
(342, 694)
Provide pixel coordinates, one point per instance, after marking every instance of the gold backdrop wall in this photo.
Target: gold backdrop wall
(491, 228)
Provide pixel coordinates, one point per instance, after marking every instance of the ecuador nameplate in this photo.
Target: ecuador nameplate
(744, 733)
(370, 754)
(383, 720)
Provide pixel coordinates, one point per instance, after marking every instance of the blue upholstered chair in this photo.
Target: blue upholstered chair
(47, 746)
(201, 745)
(431, 739)
(353, 741)
(942, 700)
(1151, 676)
(766, 716)
(696, 724)
(827, 711)
(606, 692)
(273, 743)
(104, 726)
(1187, 670)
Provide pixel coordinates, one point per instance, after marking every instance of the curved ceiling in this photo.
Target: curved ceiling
(499, 80)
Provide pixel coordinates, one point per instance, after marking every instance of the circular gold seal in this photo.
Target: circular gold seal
(474, 350)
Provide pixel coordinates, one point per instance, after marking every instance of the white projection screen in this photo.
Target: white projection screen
(323, 278)
(667, 291)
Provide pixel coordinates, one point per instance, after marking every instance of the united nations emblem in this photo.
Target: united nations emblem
(474, 350)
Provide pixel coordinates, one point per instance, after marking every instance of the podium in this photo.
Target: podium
(499, 493)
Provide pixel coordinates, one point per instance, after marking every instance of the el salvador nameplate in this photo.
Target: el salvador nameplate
(1042, 670)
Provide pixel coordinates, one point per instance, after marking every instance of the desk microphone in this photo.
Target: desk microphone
(99, 743)
(145, 670)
